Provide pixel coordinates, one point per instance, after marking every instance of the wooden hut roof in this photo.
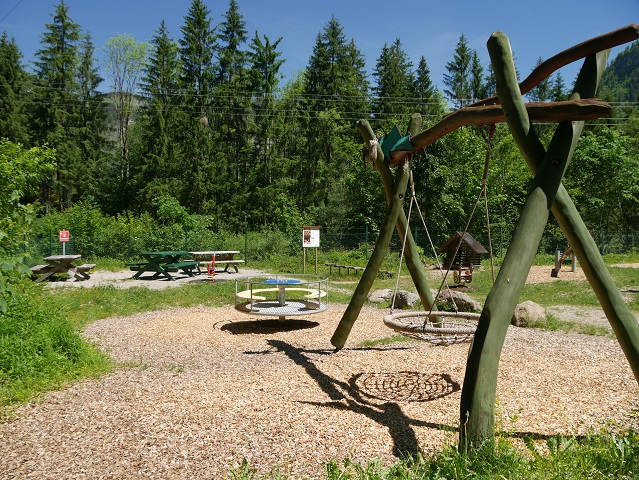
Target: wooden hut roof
(468, 240)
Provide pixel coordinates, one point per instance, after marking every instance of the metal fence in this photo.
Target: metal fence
(258, 245)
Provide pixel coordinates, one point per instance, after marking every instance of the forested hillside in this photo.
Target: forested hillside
(620, 82)
(199, 119)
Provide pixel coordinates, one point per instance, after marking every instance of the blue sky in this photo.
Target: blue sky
(429, 28)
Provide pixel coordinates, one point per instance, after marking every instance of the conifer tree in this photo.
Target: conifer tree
(540, 92)
(427, 95)
(477, 85)
(395, 86)
(197, 50)
(558, 89)
(13, 92)
(200, 164)
(458, 78)
(160, 119)
(56, 104)
(92, 120)
(334, 97)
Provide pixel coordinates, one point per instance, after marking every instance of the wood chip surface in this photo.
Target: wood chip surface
(204, 388)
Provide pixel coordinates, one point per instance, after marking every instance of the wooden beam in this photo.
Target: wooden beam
(572, 54)
(538, 112)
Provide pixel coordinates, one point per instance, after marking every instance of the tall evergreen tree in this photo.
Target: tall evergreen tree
(13, 93)
(428, 97)
(160, 119)
(542, 91)
(395, 86)
(477, 85)
(558, 89)
(232, 35)
(92, 119)
(334, 96)
(197, 51)
(231, 102)
(56, 109)
(459, 76)
(265, 62)
(201, 165)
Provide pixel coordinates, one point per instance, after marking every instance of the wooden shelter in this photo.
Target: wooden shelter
(468, 254)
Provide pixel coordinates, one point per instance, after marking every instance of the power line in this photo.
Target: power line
(10, 11)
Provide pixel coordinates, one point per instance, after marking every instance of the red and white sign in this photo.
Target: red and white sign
(64, 235)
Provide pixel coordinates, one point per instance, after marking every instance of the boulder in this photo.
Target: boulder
(464, 302)
(380, 296)
(405, 299)
(528, 312)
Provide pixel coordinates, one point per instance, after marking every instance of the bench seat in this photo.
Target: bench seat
(186, 266)
(135, 266)
(85, 267)
(81, 271)
(40, 268)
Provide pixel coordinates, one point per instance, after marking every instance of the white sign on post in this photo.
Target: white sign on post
(310, 237)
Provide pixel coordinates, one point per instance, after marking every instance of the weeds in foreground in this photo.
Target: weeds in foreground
(595, 456)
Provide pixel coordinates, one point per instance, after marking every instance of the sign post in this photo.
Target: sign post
(310, 239)
(64, 238)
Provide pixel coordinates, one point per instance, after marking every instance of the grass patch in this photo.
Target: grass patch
(385, 341)
(595, 456)
(84, 305)
(40, 350)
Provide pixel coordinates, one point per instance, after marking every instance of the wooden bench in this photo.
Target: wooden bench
(40, 268)
(187, 266)
(136, 266)
(81, 271)
(347, 267)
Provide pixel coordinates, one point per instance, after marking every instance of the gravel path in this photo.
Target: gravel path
(205, 388)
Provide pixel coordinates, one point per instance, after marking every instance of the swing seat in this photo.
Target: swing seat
(438, 328)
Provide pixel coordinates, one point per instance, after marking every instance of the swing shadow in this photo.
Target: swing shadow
(347, 396)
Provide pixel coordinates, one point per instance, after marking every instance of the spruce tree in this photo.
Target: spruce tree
(92, 121)
(459, 76)
(477, 85)
(540, 92)
(334, 97)
(202, 170)
(56, 105)
(558, 89)
(395, 87)
(429, 102)
(160, 118)
(13, 92)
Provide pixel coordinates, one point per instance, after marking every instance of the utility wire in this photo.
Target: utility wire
(10, 11)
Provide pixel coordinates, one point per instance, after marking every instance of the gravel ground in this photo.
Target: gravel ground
(202, 388)
(205, 388)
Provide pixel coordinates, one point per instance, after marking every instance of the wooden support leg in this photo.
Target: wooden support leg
(375, 262)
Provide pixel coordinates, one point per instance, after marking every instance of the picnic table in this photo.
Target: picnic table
(62, 264)
(163, 264)
(222, 257)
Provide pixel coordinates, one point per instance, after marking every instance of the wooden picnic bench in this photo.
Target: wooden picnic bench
(163, 264)
(62, 264)
(222, 257)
